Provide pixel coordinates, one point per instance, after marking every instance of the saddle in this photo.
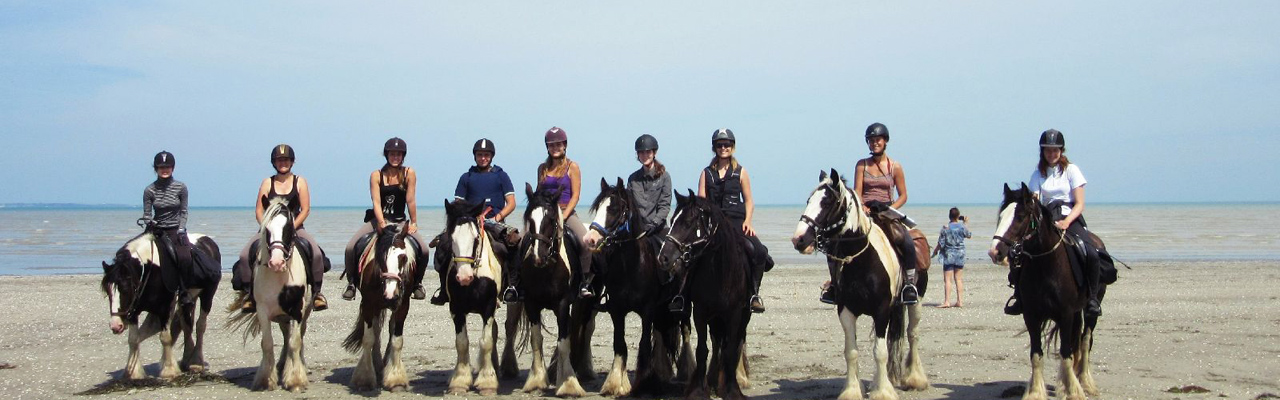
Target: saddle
(302, 246)
(364, 250)
(205, 272)
(895, 229)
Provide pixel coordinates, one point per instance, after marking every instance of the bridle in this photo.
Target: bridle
(826, 237)
(687, 249)
(132, 311)
(1018, 250)
(475, 248)
(557, 234)
(610, 235)
(285, 244)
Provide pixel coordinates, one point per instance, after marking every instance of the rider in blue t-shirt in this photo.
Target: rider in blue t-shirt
(487, 184)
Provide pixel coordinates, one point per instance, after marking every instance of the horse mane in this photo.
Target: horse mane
(117, 267)
(541, 198)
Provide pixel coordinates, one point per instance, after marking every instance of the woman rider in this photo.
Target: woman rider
(392, 189)
(728, 185)
(284, 184)
(164, 208)
(1059, 185)
(875, 179)
(559, 173)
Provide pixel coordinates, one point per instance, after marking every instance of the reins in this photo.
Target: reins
(825, 237)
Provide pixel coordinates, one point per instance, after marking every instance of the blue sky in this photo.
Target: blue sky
(1159, 101)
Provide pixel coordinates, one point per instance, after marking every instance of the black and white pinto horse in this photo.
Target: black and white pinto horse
(386, 273)
(283, 295)
(548, 275)
(634, 281)
(704, 250)
(1048, 291)
(868, 276)
(133, 285)
(474, 276)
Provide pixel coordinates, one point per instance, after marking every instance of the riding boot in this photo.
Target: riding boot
(513, 294)
(757, 273)
(909, 293)
(248, 307)
(585, 291)
(353, 278)
(829, 292)
(1092, 274)
(318, 302)
(442, 296)
(419, 292)
(1011, 306)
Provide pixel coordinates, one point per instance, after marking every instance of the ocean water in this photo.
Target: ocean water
(75, 241)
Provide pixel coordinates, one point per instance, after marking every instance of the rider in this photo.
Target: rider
(728, 185)
(1059, 185)
(392, 189)
(487, 184)
(164, 207)
(875, 178)
(559, 173)
(294, 188)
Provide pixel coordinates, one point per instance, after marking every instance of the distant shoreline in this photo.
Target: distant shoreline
(77, 206)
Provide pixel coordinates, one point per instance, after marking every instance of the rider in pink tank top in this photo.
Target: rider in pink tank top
(877, 188)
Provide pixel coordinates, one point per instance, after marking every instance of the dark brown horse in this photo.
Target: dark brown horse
(1048, 291)
(635, 284)
(707, 253)
(133, 286)
(867, 274)
(384, 281)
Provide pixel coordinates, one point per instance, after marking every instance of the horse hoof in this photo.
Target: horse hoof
(489, 392)
(457, 391)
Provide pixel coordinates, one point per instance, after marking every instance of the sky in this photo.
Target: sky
(1159, 101)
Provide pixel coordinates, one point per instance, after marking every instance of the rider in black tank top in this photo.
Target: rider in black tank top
(393, 200)
(295, 206)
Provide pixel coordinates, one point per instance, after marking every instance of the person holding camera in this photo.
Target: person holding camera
(951, 246)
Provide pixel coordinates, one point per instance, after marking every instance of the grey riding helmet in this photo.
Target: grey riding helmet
(877, 129)
(163, 159)
(1052, 138)
(646, 142)
(282, 151)
(723, 134)
(484, 145)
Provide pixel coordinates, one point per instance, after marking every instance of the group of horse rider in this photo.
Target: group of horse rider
(878, 179)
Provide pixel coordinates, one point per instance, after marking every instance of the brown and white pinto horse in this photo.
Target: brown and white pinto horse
(385, 274)
(133, 286)
(867, 274)
(283, 295)
(475, 274)
(1048, 291)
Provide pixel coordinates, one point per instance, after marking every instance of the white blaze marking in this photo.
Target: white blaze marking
(602, 212)
(811, 210)
(1006, 220)
(115, 298)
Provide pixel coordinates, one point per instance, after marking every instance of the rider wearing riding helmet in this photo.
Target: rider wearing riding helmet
(392, 189)
(650, 186)
(559, 173)
(1059, 185)
(485, 183)
(876, 178)
(728, 185)
(164, 208)
(284, 184)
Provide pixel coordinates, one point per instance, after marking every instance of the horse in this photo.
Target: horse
(386, 271)
(475, 274)
(545, 259)
(133, 285)
(283, 295)
(868, 275)
(1026, 238)
(713, 262)
(635, 284)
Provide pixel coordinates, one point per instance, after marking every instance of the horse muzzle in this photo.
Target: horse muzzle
(466, 274)
(117, 325)
(804, 243)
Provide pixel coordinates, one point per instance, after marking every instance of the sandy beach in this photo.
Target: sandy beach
(1215, 325)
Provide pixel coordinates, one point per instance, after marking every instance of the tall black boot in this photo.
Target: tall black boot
(1092, 275)
(585, 290)
(829, 293)
(442, 294)
(757, 273)
(1011, 306)
(512, 294)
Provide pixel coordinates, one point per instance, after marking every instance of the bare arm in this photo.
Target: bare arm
(507, 209)
(575, 182)
(411, 200)
(304, 199)
(749, 203)
(702, 184)
(899, 181)
(857, 182)
(263, 189)
(375, 192)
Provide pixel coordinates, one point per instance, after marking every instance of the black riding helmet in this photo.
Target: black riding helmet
(1053, 138)
(877, 129)
(646, 142)
(163, 159)
(484, 145)
(723, 134)
(395, 144)
(282, 151)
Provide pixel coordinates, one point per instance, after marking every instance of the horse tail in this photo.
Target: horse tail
(897, 345)
(356, 338)
(242, 321)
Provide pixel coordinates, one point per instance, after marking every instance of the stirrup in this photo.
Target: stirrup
(1093, 309)
(828, 295)
(319, 302)
(910, 295)
(756, 304)
(440, 298)
(511, 295)
(1012, 306)
(248, 307)
(350, 293)
(585, 291)
(676, 305)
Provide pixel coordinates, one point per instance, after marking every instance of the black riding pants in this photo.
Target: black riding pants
(178, 274)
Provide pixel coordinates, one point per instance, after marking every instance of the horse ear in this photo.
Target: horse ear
(835, 176)
(528, 190)
(620, 183)
(105, 267)
(679, 197)
(691, 194)
(1024, 187)
(446, 204)
(1006, 188)
(604, 185)
(822, 175)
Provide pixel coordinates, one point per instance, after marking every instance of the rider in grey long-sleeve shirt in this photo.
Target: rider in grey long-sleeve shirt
(651, 188)
(164, 204)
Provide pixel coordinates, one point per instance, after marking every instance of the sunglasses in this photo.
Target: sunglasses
(722, 146)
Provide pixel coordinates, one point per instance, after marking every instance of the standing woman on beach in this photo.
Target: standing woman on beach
(164, 208)
(559, 173)
(727, 184)
(1059, 185)
(951, 246)
(393, 190)
(284, 184)
(876, 178)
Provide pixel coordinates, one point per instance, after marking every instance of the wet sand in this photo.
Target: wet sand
(1215, 325)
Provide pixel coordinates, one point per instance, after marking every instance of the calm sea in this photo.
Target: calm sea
(41, 242)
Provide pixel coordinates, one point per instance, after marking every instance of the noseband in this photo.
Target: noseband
(475, 248)
(687, 249)
(556, 236)
(1017, 249)
(826, 237)
(610, 236)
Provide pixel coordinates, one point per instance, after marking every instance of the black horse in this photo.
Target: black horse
(1048, 290)
(866, 271)
(548, 265)
(707, 253)
(634, 283)
(134, 285)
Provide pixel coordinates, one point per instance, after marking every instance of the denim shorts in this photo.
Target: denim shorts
(950, 267)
